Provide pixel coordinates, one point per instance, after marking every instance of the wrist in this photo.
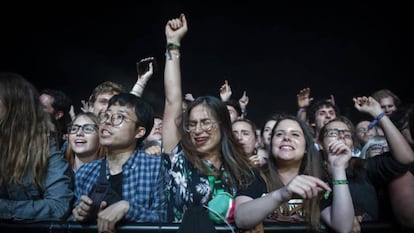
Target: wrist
(283, 195)
(170, 54)
(172, 50)
(339, 182)
(173, 45)
(380, 116)
(300, 110)
(140, 83)
(376, 120)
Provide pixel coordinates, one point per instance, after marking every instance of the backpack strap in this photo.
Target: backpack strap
(99, 190)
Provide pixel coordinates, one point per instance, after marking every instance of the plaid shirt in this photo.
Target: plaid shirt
(143, 186)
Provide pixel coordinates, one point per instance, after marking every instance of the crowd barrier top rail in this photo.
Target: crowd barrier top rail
(74, 227)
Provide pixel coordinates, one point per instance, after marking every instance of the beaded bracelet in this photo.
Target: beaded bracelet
(172, 45)
(336, 182)
(376, 120)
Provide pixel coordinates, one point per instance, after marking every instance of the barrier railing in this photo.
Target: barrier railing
(74, 227)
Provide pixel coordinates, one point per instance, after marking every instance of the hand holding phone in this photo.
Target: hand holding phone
(143, 66)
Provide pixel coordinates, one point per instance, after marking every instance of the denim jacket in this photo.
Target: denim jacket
(28, 202)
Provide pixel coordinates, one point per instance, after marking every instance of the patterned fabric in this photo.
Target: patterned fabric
(187, 187)
(142, 186)
(292, 211)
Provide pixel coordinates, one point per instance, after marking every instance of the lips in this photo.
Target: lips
(105, 133)
(80, 141)
(286, 147)
(200, 141)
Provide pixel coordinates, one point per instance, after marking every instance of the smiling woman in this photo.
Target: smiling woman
(83, 140)
(200, 151)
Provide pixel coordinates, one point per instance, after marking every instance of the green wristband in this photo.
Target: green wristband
(336, 182)
(172, 45)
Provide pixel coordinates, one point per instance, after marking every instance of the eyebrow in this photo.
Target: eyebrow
(201, 120)
(291, 131)
(338, 129)
(121, 111)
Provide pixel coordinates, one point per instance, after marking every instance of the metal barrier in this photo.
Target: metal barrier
(74, 227)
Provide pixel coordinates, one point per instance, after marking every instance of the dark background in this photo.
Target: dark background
(271, 49)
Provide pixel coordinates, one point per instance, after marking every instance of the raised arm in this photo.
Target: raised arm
(399, 146)
(340, 214)
(175, 29)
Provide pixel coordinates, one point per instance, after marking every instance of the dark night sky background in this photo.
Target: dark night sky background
(268, 48)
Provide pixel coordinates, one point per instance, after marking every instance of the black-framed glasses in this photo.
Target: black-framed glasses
(205, 125)
(115, 119)
(86, 128)
(335, 133)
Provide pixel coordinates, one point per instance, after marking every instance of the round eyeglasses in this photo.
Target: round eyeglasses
(205, 125)
(335, 133)
(86, 128)
(115, 119)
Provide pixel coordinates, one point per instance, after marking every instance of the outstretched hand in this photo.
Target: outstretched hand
(367, 105)
(303, 98)
(148, 72)
(85, 106)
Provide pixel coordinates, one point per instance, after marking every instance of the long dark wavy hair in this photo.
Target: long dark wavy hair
(233, 157)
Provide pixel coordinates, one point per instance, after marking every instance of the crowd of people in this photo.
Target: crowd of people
(202, 161)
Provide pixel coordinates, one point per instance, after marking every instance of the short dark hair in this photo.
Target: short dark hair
(143, 110)
(315, 106)
(62, 102)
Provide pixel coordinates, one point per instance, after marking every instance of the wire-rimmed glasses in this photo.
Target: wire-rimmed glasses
(115, 119)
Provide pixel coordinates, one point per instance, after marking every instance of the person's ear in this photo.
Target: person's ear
(140, 132)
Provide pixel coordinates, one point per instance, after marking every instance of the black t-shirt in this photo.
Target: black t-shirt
(255, 189)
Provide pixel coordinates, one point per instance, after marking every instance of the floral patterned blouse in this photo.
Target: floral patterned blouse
(186, 186)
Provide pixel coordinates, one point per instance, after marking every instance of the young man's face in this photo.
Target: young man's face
(101, 102)
(322, 116)
(388, 105)
(118, 129)
(156, 131)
